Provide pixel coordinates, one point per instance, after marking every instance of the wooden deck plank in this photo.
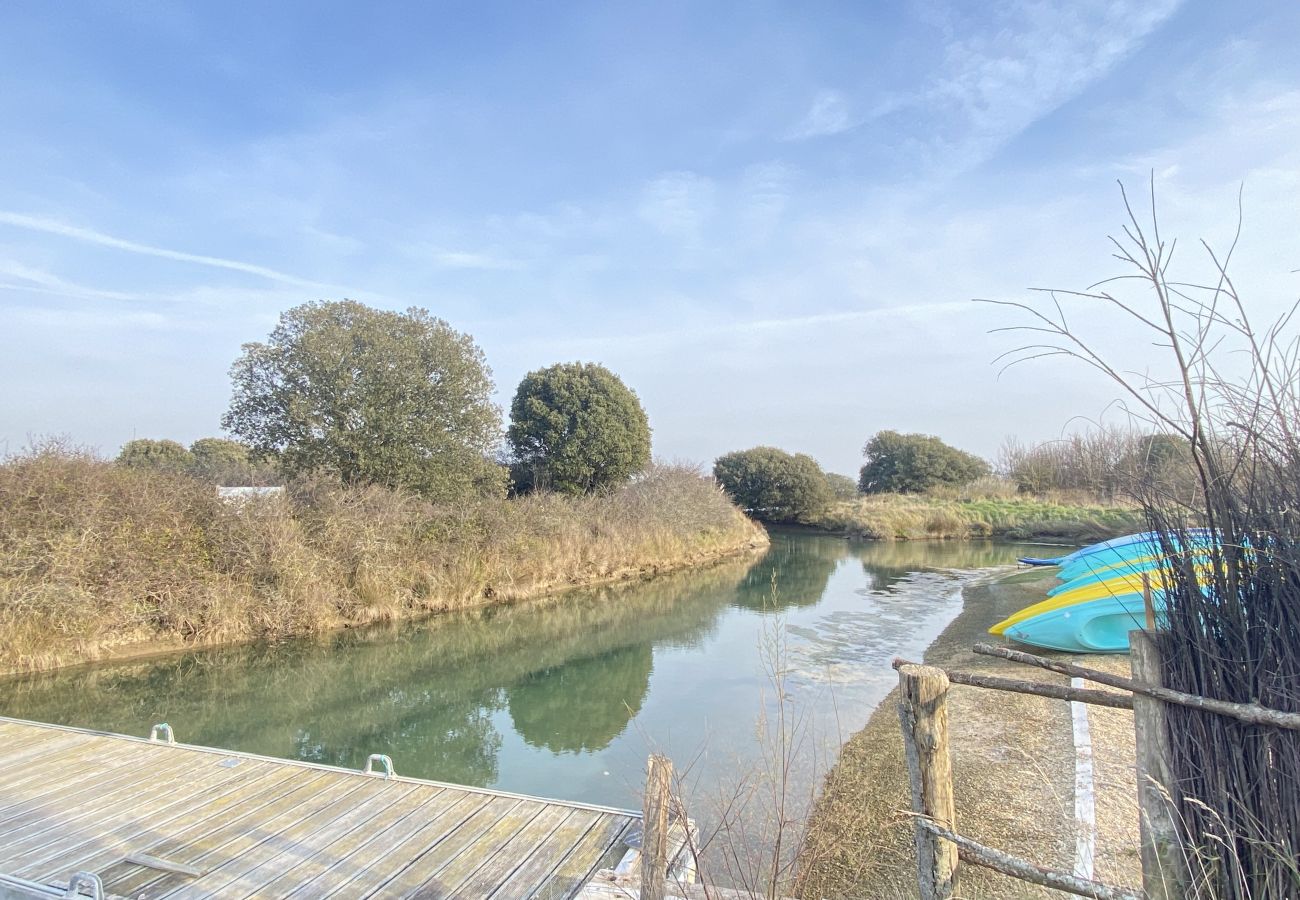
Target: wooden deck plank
(507, 859)
(469, 846)
(128, 830)
(40, 778)
(583, 860)
(468, 816)
(288, 862)
(235, 876)
(69, 812)
(240, 826)
(215, 818)
(532, 872)
(337, 851)
(17, 761)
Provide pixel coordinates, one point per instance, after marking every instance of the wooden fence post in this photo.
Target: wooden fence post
(1164, 864)
(654, 827)
(923, 711)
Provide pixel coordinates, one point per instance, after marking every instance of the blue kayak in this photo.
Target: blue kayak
(1098, 626)
(1114, 543)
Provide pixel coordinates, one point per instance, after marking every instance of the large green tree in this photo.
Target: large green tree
(774, 485)
(575, 427)
(910, 463)
(370, 395)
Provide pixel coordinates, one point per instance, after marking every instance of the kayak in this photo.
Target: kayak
(1064, 602)
(1098, 626)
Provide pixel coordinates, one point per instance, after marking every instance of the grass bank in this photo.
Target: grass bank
(99, 560)
(899, 517)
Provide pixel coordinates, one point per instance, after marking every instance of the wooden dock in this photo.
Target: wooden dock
(155, 819)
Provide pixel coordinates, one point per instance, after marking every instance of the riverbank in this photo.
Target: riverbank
(1013, 769)
(98, 561)
(904, 517)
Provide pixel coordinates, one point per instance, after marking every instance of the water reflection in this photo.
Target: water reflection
(563, 697)
(583, 704)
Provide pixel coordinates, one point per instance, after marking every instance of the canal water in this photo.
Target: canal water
(727, 669)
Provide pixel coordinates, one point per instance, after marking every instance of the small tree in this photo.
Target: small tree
(910, 463)
(164, 455)
(228, 462)
(576, 427)
(774, 485)
(842, 487)
(399, 399)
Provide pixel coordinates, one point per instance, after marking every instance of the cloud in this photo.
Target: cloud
(461, 259)
(829, 115)
(89, 236)
(38, 281)
(998, 79)
(678, 203)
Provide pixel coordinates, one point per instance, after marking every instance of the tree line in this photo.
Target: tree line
(403, 400)
(782, 487)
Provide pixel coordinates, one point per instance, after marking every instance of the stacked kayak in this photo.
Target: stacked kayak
(1100, 597)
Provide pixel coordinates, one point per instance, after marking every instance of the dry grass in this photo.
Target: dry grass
(963, 514)
(96, 557)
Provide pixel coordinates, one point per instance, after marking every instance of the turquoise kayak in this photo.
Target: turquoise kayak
(1098, 626)
(1118, 543)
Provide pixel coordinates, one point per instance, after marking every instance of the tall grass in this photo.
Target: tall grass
(961, 515)
(95, 556)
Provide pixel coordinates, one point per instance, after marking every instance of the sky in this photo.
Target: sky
(770, 220)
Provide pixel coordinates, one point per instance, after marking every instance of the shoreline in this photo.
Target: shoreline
(1013, 770)
(102, 653)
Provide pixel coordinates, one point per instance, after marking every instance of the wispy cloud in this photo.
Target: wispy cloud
(99, 238)
(38, 281)
(463, 259)
(998, 79)
(828, 115)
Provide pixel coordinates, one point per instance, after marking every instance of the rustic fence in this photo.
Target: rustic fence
(941, 848)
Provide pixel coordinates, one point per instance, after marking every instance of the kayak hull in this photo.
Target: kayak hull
(1100, 626)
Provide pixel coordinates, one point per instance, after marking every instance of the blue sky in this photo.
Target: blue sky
(769, 219)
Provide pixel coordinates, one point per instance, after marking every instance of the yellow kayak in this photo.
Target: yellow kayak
(1119, 586)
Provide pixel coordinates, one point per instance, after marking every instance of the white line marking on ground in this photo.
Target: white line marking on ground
(1085, 799)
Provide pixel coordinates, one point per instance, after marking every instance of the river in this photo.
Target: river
(720, 668)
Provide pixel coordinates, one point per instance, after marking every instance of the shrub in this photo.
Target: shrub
(842, 487)
(370, 396)
(911, 463)
(575, 427)
(164, 455)
(773, 485)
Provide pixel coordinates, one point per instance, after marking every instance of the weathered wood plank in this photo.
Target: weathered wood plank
(253, 848)
(132, 826)
(446, 866)
(20, 763)
(238, 836)
(378, 860)
(428, 851)
(40, 778)
(542, 860)
(62, 820)
(526, 844)
(350, 836)
(583, 860)
(234, 808)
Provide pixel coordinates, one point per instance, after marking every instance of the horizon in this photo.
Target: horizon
(769, 222)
